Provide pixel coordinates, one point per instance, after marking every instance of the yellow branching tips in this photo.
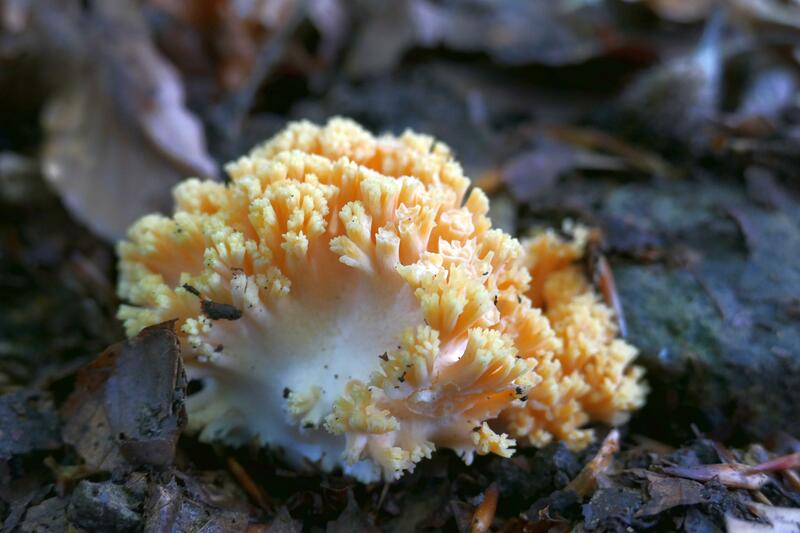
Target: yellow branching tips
(341, 300)
(590, 377)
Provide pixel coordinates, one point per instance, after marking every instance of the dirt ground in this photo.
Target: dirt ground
(672, 126)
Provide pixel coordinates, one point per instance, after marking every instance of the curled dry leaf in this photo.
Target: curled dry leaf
(118, 134)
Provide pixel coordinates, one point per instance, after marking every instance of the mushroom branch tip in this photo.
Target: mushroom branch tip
(345, 300)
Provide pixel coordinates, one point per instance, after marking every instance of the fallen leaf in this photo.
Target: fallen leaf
(127, 407)
(118, 136)
(667, 492)
(172, 508)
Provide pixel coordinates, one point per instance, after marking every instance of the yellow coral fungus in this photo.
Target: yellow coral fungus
(590, 377)
(340, 300)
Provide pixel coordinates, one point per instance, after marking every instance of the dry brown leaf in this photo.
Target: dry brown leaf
(668, 492)
(127, 407)
(118, 133)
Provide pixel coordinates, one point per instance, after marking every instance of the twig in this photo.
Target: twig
(484, 514)
(731, 475)
(250, 487)
(586, 481)
(792, 479)
(384, 492)
(779, 464)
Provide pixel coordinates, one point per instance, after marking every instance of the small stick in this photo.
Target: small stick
(586, 481)
(484, 514)
(779, 464)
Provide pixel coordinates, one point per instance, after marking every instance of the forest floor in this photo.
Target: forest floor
(672, 126)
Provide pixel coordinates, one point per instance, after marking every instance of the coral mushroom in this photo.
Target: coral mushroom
(340, 301)
(590, 377)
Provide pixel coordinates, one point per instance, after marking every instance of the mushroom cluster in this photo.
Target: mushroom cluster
(590, 377)
(343, 299)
